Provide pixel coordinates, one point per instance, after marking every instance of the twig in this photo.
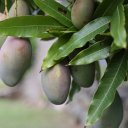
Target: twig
(6, 7)
(16, 8)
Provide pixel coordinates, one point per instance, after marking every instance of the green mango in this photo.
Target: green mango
(82, 12)
(83, 75)
(112, 116)
(15, 58)
(21, 9)
(56, 83)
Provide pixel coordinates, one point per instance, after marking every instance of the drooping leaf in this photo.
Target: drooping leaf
(104, 96)
(106, 8)
(49, 59)
(29, 26)
(79, 39)
(118, 31)
(56, 10)
(74, 89)
(112, 116)
(95, 52)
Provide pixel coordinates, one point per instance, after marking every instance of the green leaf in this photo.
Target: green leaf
(107, 7)
(126, 17)
(95, 52)
(118, 31)
(2, 39)
(49, 59)
(29, 26)
(56, 10)
(74, 89)
(112, 116)
(104, 96)
(79, 39)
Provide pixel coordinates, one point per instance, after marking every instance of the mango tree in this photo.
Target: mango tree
(86, 31)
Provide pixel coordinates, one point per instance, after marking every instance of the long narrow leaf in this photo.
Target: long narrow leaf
(29, 26)
(118, 31)
(113, 115)
(49, 59)
(55, 10)
(104, 96)
(126, 17)
(96, 52)
(107, 7)
(79, 39)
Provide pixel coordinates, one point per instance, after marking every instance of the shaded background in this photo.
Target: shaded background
(26, 106)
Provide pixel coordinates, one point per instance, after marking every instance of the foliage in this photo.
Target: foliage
(105, 36)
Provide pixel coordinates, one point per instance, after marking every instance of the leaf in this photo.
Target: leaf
(95, 52)
(112, 116)
(79, 39)
(56, 10)
(49, 59)
(106, 8)
(74, 89)
(29, 26)
(2, 39)
(104, 96)
(118, 31)
(126, 17)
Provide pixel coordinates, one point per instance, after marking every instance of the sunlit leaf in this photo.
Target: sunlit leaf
(118, 31)
(56, 10)
(29, 26)
(78, 40)
(95, 52)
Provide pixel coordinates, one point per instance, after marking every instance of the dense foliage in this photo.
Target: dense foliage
(86, 31)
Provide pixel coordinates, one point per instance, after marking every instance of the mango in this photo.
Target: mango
(21, 9)
(83, 75)
(56, 83)
(112, 116)
(15, 58)
(82, 12)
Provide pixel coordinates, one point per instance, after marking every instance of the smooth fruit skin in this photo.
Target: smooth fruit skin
(83, 75)
(81, 12)
(112, 116)
(56, 83)
(15, 58)
(22, 9)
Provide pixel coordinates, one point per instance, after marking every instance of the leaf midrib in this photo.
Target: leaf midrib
(55, 11)
(78, 40)
(96, 52)
(107, 91)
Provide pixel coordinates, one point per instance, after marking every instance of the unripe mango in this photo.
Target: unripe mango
(83, 75)
(112, 116)
(81, 12)
(15, 58)
(21, 9)
(56, 83)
